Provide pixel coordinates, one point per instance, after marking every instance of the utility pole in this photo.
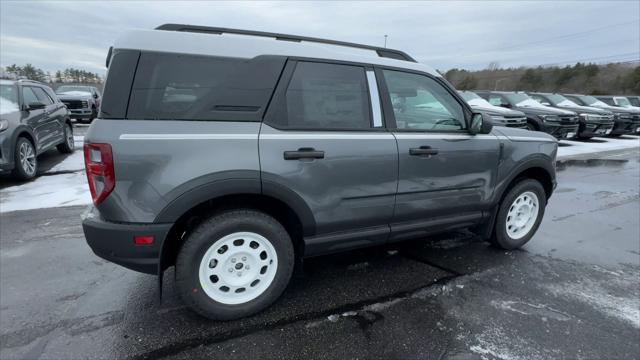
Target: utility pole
(385, 41)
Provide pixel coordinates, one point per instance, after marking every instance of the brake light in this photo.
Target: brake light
(98, 162)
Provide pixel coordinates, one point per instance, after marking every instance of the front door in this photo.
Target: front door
(324, 139)
(446, 175)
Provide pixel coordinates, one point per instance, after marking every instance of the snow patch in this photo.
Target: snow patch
(377, 307)
(46, 192)
(73, 162)
(626, 309)
(494, 342)
(597, 145)
(543, 311)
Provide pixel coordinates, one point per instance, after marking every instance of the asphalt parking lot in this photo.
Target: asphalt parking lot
(573, 291)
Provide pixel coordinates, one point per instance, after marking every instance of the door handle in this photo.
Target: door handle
(423, 151)
(304, 153)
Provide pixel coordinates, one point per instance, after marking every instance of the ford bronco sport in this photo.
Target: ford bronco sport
(234, 154)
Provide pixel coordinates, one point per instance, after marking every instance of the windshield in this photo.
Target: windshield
(623, 102)
(8, 99)
(560, 100)
(591, 101)
(67, 88)
(523, 100)
(634, 101)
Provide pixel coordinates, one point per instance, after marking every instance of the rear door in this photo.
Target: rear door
(36, 119)
(324, 141)
(53, 126)
(446, 175)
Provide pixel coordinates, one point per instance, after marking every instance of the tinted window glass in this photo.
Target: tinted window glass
(327, 96)
(421, 103)
(42, 96)
(118, 84)
(188, 87)
(496, 100)
(28, 96)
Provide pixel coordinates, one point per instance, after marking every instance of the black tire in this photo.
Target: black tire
(531, 127)
(94, 114)
(500, 236)
(212, 230)
(615, 135)
(67, 146)
(20, 171)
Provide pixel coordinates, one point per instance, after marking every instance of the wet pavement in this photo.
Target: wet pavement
(572, 292)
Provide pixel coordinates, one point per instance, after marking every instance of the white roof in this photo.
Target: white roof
(248, 46)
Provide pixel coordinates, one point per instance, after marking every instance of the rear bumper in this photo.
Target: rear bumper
(114, 242)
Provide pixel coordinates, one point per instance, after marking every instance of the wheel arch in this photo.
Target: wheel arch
(193, 206)
(25, 133)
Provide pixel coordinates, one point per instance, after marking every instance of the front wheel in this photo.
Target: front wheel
(520, 214)
(234, 264)
(25, 159)
(531, 127)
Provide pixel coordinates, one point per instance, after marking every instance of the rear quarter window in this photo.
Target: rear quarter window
(189, 87)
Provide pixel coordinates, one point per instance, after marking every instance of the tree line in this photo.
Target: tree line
(69, 75)
(591, 79)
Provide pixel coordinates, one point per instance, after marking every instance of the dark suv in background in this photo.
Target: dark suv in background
(562, 124)
(32, 121)
(627, 121)
(499, 115)
(593, 121)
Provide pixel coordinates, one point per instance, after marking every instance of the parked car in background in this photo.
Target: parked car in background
(316, 167)
(82, 101)
(593, 121)
(634, 100)
(617, 100)
(562, 124)
(32, 121)
(499, 115)
(627, 121)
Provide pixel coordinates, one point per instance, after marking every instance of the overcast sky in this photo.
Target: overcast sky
(55, 35)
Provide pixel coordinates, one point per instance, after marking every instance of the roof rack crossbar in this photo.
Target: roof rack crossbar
(382, 52)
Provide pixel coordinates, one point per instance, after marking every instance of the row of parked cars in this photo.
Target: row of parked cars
(565, 116)
(34, 118)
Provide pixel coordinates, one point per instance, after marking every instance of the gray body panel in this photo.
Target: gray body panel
(158, 161)
(353, 186)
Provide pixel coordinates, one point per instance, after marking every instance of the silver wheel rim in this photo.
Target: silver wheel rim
(27, 158)
(69, 134)
(238, 268)
(522, 215)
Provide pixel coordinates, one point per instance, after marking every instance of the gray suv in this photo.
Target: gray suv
(290, 147)
(32, 121)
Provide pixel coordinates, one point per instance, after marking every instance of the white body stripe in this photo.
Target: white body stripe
(189, 137)
(324, 136)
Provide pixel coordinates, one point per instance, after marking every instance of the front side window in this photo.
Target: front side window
(326, 96)
(496, 100)
(42, 96)
(28, 96)
(421, 103)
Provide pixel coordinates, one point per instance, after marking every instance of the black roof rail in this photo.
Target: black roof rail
(382, 52)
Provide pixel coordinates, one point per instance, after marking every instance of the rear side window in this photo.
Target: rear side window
(189, 87)
(326, 96)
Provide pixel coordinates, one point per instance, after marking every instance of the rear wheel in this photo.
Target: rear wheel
(532, 127)
(520, 214)
(26, 162)
(234, 264)
(67, 146)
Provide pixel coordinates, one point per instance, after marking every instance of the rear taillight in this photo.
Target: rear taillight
(98, 161)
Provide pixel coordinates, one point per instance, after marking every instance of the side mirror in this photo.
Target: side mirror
(506, 105)
(481, 123)
(95, 96)
(36, 106)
